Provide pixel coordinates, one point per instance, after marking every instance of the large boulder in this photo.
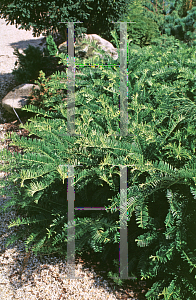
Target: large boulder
(82, 49)
(18, 97)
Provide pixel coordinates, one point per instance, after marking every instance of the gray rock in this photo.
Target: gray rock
(82, 49)
(18, 97)
(63, 47)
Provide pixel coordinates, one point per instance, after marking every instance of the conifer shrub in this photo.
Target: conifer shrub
(51, 47)
(142, 29)
(30, 63)
(53, 89)
(159, 153)
(182, 28)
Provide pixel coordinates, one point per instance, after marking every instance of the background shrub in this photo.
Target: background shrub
(143, 29)
(51, 48)
(96, 16)
(30, 63)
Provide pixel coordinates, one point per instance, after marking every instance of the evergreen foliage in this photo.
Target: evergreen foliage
(182, 28)
(144, 29)
(29, 63)
(53, 89)
(154, 18)
(175, 18)
(160, 153)
(51, 47)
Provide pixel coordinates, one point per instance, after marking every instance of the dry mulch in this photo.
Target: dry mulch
(14, 127)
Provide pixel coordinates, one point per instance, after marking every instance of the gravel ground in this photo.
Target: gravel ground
(12, 37)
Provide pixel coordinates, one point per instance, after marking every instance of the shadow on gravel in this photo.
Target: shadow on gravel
(22, 45)
(7, 81)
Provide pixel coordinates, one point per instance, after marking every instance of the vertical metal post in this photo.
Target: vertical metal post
(123, 80)
(123, 224)
(70, 132)
(71, 81)
(123, 247)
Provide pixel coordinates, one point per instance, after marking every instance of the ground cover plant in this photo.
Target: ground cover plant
(160, 152)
